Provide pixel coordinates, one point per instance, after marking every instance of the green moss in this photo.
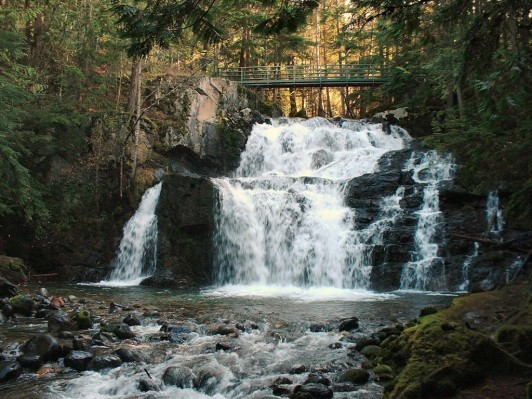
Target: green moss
(440, 355)
(16, 299)
(383, 369)
(356, 376)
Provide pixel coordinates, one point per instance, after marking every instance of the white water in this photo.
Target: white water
(427, 270)
(464, 287)
(136, 258)
(494, 217)
(282, 220)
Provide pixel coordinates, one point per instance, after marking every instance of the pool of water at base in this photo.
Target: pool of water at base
(282, 332)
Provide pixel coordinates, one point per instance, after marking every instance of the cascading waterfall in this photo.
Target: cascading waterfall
(137, 253)
(427, 270)
(282, 220)
(494, 214)
(464, 287)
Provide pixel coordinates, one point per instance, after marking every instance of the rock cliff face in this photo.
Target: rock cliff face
(186, 220)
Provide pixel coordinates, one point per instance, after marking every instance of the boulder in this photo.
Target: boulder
(78, 360)
(32, 362)
(128, 356)
(312, 391)
(9, 370)
(101, 362)
(355, 376)
(43, 345)
(181, 377)
(22, 305)
(121, 330)
(103, 338)
(132, 320)
(348, 324)
(59, 321)
(147, 385)
(83, 319)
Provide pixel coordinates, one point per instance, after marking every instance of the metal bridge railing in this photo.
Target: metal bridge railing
(301, 75)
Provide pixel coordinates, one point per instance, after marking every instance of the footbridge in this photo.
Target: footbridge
(348, 75)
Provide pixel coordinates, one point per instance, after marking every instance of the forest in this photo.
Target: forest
(461, 66)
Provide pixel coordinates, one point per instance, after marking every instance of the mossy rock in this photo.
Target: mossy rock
(13, 269)
(83, 319)
(355, 376)
(441, 355)
(371, 351)
(517, 339)
(383, 369)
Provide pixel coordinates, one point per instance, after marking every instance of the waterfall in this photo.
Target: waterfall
(282, 219)
(137, 253)
(494, 214)
(427, 268)
(465, 268)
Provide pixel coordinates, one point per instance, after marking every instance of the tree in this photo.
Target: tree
(19, 193)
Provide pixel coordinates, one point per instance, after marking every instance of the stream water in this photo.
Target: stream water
(277, 333)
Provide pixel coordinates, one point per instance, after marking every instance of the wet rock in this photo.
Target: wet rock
(181, 377)
(317, 379)
(104, 339)
(355, 376)
(81, 344)
(128, 356)
(151, 313)
(298, 369)
(43, 345)
(43, 292)
(58, 321)
(320, 327)
(101, 362)
(335, 345)
(281, 390)
(348, 324)
(83, 319)
(224, 329)
(220, 346)
(282, 381)
(32, 362)
(78, 360)
(22, 305)
(65, 335)
(9, 370)
(371, 351)
(58, 301)
(8, 311)
(147, 385)
(7, 288)
(344, 387)
(206, 380)
(132, 320)
(121, 330)
(312, 391)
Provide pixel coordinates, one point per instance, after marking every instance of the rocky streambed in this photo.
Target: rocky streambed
(98, 342)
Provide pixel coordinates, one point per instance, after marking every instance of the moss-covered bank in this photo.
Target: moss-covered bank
(480, 335)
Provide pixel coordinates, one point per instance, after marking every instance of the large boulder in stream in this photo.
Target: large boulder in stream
(44, 346)
(186, 225)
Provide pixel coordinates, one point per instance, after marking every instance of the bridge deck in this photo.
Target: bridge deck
(308, 75)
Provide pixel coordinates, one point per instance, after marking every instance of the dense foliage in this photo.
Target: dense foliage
(65, 67)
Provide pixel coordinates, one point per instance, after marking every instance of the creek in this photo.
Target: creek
(277, 333)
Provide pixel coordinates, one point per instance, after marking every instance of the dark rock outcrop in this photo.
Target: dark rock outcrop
(186, 225)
